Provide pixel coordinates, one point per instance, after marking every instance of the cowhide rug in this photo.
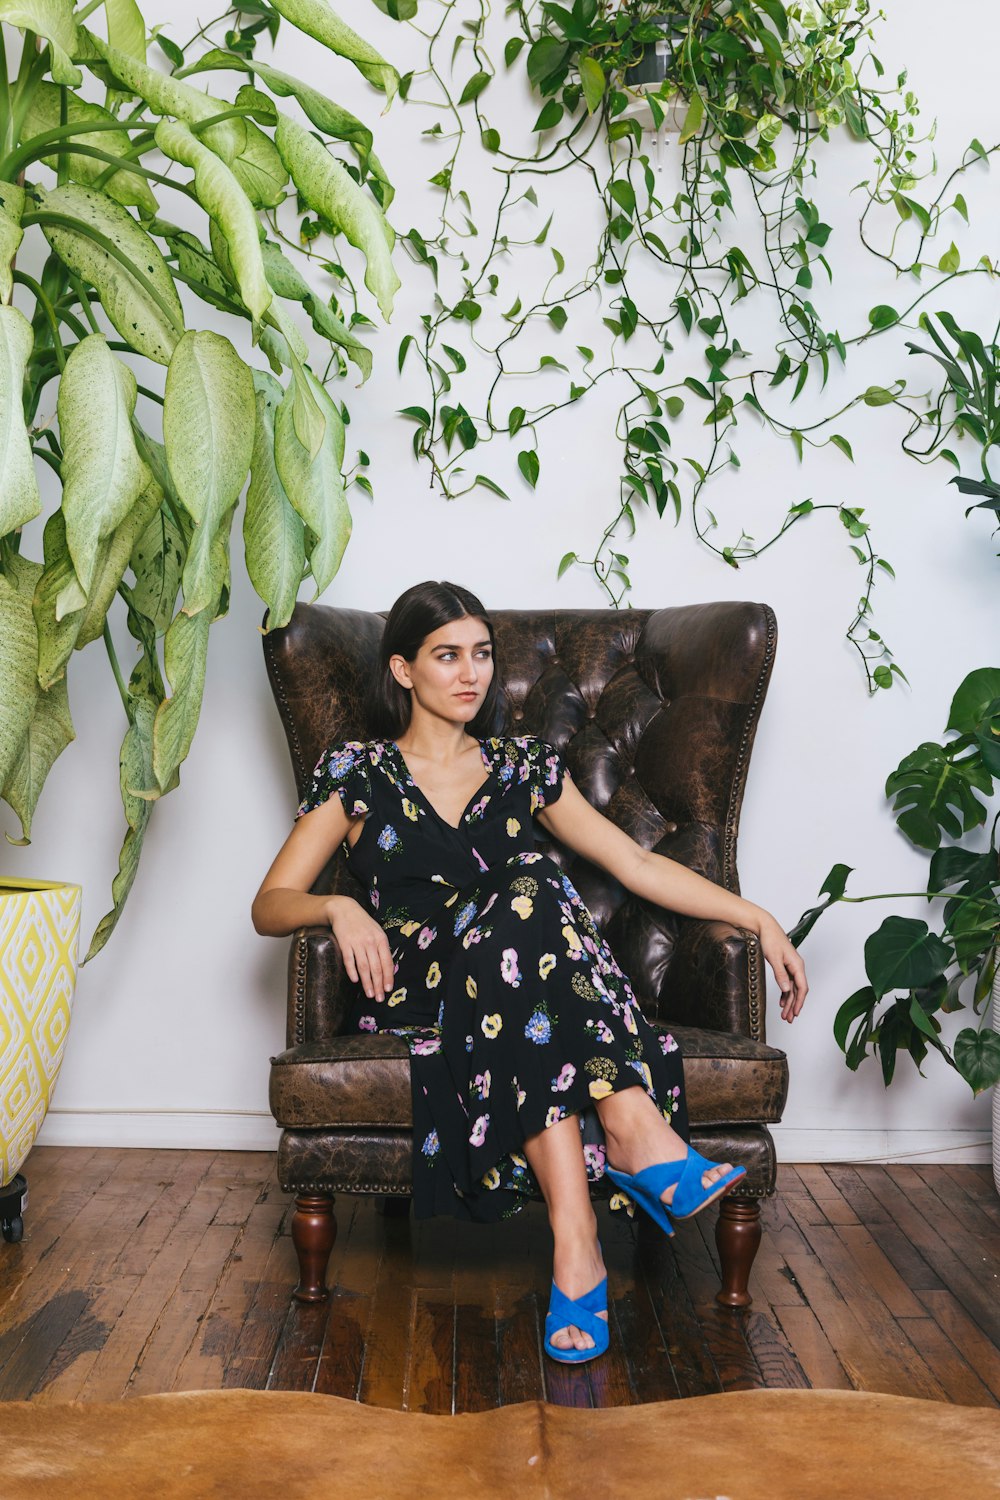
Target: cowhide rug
(750, 1445)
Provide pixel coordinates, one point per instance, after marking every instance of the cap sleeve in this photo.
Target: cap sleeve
(546, 771)
(341, 769)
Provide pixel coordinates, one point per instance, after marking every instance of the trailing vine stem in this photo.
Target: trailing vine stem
(822, 75)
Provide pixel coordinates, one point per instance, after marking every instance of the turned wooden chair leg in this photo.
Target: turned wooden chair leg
(314, 1230)
(737, 1235)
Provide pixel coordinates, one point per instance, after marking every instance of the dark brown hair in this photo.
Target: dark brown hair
(415, 615)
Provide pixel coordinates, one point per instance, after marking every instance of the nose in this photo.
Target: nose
(470, 670)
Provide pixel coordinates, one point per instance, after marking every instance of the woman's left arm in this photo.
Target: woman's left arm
(575, 823)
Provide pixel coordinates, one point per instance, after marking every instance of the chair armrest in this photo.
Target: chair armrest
(715, 979)
(319, 990)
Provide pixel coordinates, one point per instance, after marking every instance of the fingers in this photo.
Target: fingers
(375, 969)
(794, 987)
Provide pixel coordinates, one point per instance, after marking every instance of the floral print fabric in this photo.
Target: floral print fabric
(513, 1007)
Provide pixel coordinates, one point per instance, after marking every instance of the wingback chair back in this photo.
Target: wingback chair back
(655, 712)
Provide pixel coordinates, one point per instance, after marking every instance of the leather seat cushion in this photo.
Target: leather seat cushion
(362, 1081)
(372, 1161)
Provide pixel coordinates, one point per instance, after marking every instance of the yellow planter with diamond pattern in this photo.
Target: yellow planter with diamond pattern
(39, 934)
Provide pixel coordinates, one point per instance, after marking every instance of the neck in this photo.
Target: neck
(433, 738)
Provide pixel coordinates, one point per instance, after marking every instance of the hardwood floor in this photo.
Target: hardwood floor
(147, 1271)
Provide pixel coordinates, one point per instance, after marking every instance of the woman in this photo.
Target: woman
(531, 1063)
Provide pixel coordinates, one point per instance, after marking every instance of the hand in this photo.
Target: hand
(789, 970)
(364, 946)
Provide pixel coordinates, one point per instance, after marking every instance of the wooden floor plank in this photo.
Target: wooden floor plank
(168, 1270)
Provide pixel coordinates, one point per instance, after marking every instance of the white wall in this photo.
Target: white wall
(176, 1020)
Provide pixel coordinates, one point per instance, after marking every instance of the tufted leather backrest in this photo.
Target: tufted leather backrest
(655, 712)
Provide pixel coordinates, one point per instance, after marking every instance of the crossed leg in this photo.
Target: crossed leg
(637, 1136)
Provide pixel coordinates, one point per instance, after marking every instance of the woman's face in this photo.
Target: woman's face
(451, 671)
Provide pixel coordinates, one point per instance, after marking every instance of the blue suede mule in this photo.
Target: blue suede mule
(684, 1176)
(582, 1314)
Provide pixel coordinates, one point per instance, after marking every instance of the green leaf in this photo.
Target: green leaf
(398, 10)
(516, 420)
(950, 260)
(833, 887)
(623, 193)
(977, 1058)
(935, 794)
(527, 462)
(273, 533)
(331, 191)
(842, 444)
(135, 287)
(488, 484)
(19, 498)
(18, 658)
(883, 316)
(44, 113)
(315, 486)
(53, 20)
(491, 140)
(287, 281)
(974, 696)
(208, 426)
(11, 234)
(135, 771)
(157, 560)
(903, 954)
(861, 1003)
(47, 735)
(593, 81)
(258, 168)
(185, 650)
(557, 317)
(550, 116)
(877, 395)
(168, 96)
(693, 119)
(317, 20)
(126, 27)
(221, 196)
(102, 472)
(566, 562)
(474, 87)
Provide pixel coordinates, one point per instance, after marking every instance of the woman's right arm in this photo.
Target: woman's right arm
(283, 902)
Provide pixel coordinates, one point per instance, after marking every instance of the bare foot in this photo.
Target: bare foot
(577, 1267)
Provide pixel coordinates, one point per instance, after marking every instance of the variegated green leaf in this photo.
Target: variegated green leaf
(259, 169)
(315, 486)
(331, 191)
(317, 20)
(127, 188)
(19, 501)
(126, 28)
(47, 735)
(136, 289)
(135, 770)
(52, 19)
(208, 423)
(11, 234)
(158, 561)
(18, 658)
(273, 534)
(221, 196)
(185, 647)
(59, 636)
(102, 472)
(170, 96)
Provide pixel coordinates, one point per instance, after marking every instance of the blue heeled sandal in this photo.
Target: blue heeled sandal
(582, 1314)
(684, 1176)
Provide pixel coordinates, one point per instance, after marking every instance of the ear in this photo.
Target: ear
(399, 668)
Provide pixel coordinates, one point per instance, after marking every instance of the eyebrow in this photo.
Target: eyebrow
(443, 647)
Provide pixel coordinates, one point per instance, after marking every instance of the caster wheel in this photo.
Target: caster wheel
(12, 1230)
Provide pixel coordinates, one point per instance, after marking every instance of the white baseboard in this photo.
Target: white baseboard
(190, 1130)
(250, 1130)
(796, 1144)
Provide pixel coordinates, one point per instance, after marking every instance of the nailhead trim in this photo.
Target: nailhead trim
(743, 755)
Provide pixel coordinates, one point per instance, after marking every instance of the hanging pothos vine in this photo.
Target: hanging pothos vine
(759, 86)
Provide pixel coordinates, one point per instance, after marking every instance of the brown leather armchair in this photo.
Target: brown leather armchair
(655, 712)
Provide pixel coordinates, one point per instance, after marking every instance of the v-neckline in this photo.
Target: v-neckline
(408, 776)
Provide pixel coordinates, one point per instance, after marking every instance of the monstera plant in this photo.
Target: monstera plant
(100, 149)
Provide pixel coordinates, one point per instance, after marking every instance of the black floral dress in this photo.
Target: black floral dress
(513, 1007)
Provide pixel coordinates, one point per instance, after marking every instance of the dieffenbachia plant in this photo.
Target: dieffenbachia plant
(92, 268)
